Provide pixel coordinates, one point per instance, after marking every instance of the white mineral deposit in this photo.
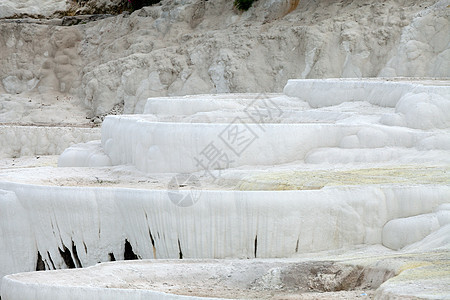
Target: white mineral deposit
(193, 150)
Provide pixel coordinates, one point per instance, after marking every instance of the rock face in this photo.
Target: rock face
(89, 7)
(182, 127)
(57, 8)
(297, 140)
(16, 141)
(68, 227)
(37, 8)
(336, 163)
(402, 232)
(210, 280)
(197, 46)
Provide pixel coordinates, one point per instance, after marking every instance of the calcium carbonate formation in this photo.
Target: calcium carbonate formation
(379, 132)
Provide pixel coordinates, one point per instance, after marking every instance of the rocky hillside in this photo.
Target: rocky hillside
(199, 46)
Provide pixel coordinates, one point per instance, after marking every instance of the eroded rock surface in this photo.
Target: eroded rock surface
(196, 46)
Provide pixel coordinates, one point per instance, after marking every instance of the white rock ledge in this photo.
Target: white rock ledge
(88, 154)
(93, 223)
(194, 279)
(357, 121)
(386, 93)
(156, 147)
(16, 141)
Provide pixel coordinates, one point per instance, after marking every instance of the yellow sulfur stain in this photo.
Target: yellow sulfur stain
(424, 270)
(317, 179)
(413, 265)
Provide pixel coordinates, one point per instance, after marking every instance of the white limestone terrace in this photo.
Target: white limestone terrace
(205, 279)
(383, 180)
(320, 277)
(92, 224)
(358, 121)
(370, 167)
(17, 141)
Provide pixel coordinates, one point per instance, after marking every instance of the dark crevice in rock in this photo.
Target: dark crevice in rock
(75, 20)
(151, 237)
(128, 253)
(40, 266)
(51, 260)
(111, 256)
(25, 16)
(179, 248)
(149, 231)
(256, 244)
(138, 4)
(296, 246)
(75, 255)
(67, 257)
(153, 243)
(85, 247)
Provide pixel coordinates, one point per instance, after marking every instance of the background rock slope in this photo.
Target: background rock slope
(196, 46)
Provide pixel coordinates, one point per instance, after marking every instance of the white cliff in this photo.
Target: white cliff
(343, 181)
(200, 46)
